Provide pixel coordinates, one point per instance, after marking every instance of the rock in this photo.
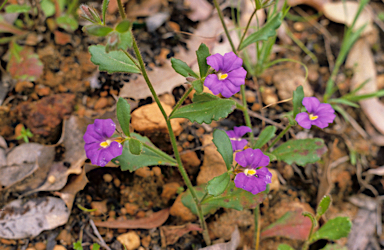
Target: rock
(18, 129)
(23, 85)
(130, 240)
(380, 81)
(179, 210)
(65, 237)
(149, 119)
(250, 96)
(107, 178)
(169, 190)
(42, 90)
(191, 162)
(269, 96)
(144, 172)
(101, 103)
(100, 206)
(213, 163)
(59, 247)
(131, 208)
(287, 79)
(275, 184)
(157, 171)
(40, 246)
(168, 99)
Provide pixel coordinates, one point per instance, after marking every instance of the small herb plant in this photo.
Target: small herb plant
(246, 184)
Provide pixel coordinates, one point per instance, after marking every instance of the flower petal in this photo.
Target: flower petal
(106, 154)
(214, 84)
(91, 135)
(228, 89)
(311, 104)
(259, 159)
(237, 76)
(92, 151)
(105, 127)
(215, 61)
(303, 120)
(245, 158)
(242, 130)
(264, 174)
(231, 62)
(239, 144)
(250, 183)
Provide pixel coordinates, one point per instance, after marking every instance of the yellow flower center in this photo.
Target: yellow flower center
(249, 172)
(221, 76)
(313, 117)
(105, 144)
(108, 142)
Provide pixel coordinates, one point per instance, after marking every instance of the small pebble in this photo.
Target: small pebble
(101, 103)
(107, 178)
(59, 247)
(40, 246)
(117, 182)
(130, 240)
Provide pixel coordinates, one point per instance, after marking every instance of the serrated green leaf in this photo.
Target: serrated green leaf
(135, 146)
(334, 229)
(104, 9)
(198, 85)
(128, 161)
(297, 100)
(182, 68)
(16, 8)
(112, 62)
(284, 247)
(266, 134)
(204, 97)
(268, 30)
(97, 30)
(123, 112)
(123, 26)
(217, 185)
(224, 146)
(300, 151)
(205, 111)
(202, 53)
(232, 197)
(323, 206)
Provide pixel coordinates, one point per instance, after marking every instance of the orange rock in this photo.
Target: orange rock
(40, 246)
(144, 172)
(23, 85)
(179, 210)
(18, 129)
(100, 206)
(65, 237)
(101, 103)
(42, 90)
(169, 190)
(131, 208)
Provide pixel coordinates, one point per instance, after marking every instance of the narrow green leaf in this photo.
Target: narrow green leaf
(131, 162)
(217, 185)
(298, 96)
(182, 68)
(198, 85)
(104, 9)
(300, 151)
(268, 30)
(123, 26)
(224, 146)
(123, 112)
(311, 217)
(323, 206)
(334, 229)
(344, 101)
(284, 247)
(266, 134)
(202, 53)
(112, 62)
(355, 98)
(135, 146)
(334, 247)
(97, 30)
(206, 111)
(16, 8)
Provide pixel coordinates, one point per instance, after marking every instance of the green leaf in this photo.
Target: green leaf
(284, 247)
(135, 146)
(344, 101)
(217, 185)
(67, 22)
(123, 26)
(16, 8)
(77, 245)
(112, 62)
(232, 197)
(48, 8)
(206, 111)
(97, 30)
(266, 134)
(131, 162)
(272, 157)
(202, 53)
(300, 151)
(268, 30)
(224, 146)
(334, 247)
(334, 229)
(311, 217)
(198, 85)
(123, 112)
(104, 9)
(298, 96)
(182, 68)
(125, 40)
(323, 206)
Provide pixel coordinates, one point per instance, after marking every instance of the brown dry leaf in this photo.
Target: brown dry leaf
(317, 4)
(144, 8)
(200, 9)
(231, 245)
(155, 220)
(19, 219)
(171, 234)
(75, 184)
(361, 60)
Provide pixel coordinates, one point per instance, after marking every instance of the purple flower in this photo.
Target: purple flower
(319, 114)
(99, 147)
(229, 74)
(253, 178)
(235, 137)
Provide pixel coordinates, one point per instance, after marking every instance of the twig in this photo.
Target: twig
(101, 240)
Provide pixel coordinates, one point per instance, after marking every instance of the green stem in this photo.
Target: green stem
(172, 136)
(181, 101)
(282, 133)
(224, 26)
(205, 196)
(246, 28)
(247, 118)
(4, 3)
(121, 9)
(256, 212)
(132, 58)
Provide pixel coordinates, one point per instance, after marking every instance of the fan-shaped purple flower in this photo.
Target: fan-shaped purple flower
(99, 147)
(319, 114)
(235, 137)
(253, 178)
(230, 74)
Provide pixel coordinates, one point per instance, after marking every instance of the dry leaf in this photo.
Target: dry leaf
(171, 234)
(154, 220)
(20, 219)
(27, 66)
(200, 9)
(231, 245)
